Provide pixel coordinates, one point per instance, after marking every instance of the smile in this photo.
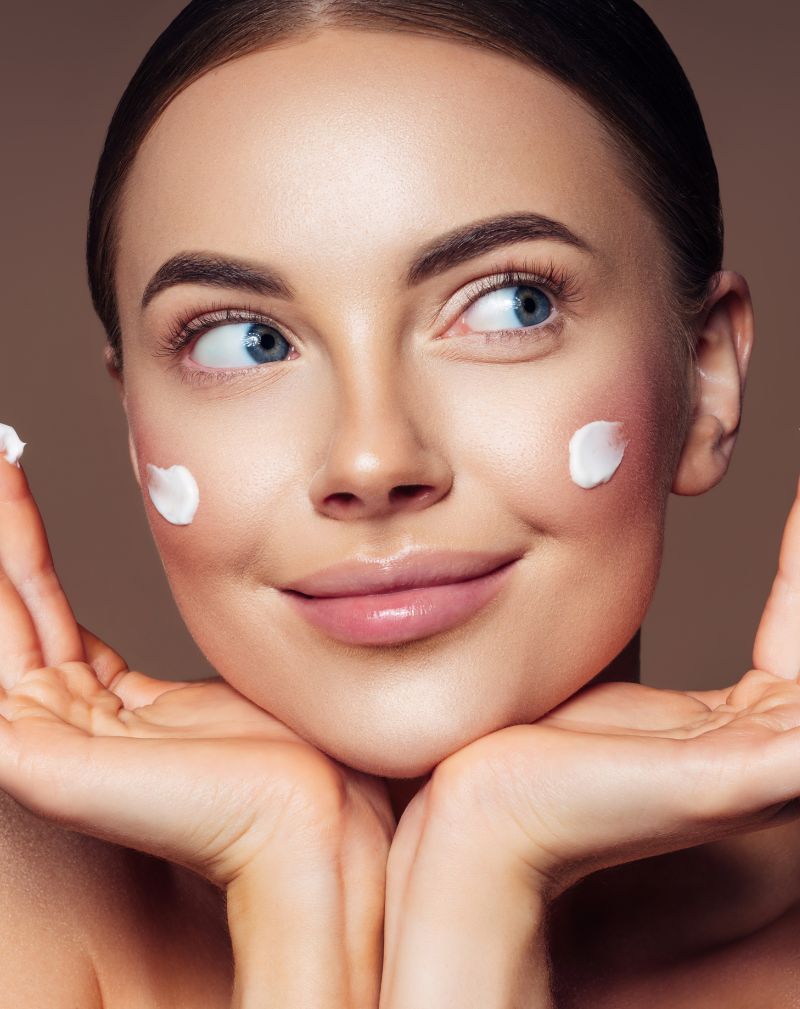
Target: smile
(405, 614)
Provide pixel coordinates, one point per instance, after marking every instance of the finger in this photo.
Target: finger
(777, 643)
(106, 663)
(19, 643)
(625, 706)
(711, 698)
(134, 689)
(26, 559)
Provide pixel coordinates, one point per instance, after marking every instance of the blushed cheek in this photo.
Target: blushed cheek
(610, 482)
(616, 528)
(178, 481)
(194, 470)
(612, 457)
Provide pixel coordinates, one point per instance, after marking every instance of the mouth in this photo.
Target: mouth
(383, 603)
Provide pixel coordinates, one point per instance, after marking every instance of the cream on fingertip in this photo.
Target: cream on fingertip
(10, 445)
(595, 452)
(174, 493)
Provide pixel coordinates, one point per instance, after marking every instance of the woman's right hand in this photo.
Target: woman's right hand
(192, 772)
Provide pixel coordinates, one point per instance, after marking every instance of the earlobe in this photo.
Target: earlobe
(724, 346)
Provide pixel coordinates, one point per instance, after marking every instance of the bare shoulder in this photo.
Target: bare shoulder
(101, 926)
(41, 921)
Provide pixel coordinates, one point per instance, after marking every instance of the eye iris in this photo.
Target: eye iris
(264, 343)
(532, 307)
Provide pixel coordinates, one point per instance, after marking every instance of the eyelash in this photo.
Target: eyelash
(558, 282)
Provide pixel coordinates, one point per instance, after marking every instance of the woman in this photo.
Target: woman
(417, 316)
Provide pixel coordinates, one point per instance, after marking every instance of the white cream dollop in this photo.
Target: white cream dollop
(595, 452)
(174, 493)
(10, 445)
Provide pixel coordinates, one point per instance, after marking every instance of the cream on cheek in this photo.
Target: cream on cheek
(595, 452)
(174, 493)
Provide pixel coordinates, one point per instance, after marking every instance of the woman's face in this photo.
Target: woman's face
(374, 415)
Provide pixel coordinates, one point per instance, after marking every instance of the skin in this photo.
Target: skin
(524, 784)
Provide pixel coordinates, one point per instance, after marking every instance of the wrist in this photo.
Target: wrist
(473, 931)
(282, 923)
(306, 931)
(500, 939)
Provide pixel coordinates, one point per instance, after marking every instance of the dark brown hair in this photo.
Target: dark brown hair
(608, 51)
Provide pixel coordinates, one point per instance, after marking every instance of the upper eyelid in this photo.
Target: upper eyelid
(499, 276)
(513, 278)
(511, 275)
(180, 333)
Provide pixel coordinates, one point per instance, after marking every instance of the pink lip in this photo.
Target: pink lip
(379, 603)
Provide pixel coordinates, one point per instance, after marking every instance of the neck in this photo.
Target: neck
(624, 667)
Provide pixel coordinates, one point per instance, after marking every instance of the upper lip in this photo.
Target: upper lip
(424, 568)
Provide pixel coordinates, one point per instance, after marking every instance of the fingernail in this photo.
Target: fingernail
(10, 445)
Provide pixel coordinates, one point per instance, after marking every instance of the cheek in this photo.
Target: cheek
(238, 482)
(595, 553)
(515, 441)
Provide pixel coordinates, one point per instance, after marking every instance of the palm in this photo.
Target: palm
(760, 703)
(677, 768)
(212, 761)
(73, 696)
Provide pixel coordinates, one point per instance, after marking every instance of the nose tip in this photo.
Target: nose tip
(396, 474)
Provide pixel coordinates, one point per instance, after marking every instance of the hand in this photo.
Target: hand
(617, 772)
(192, 772)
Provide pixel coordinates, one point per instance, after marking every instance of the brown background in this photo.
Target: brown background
(63, 69)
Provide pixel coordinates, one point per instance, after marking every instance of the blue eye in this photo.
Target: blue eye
(240, 345)
(509, 308)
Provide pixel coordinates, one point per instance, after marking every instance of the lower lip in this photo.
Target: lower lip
(389, 618)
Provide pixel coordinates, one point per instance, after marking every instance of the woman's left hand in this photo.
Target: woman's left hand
(617, 772)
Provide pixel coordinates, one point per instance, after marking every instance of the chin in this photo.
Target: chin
(393, 752)
(398, 764)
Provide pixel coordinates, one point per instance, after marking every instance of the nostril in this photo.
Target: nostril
(342, 498)
(347, 503)
(409, 492)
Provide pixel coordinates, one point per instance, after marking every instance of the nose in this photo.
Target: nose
(382, 456)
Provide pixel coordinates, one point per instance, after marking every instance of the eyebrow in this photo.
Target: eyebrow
(434, 257)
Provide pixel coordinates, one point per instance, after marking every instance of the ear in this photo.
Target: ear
(719, 373)
(116, 375)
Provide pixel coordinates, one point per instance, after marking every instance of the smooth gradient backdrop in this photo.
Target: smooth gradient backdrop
(63, 68)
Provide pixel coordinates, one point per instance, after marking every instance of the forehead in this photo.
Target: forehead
(354, 144)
